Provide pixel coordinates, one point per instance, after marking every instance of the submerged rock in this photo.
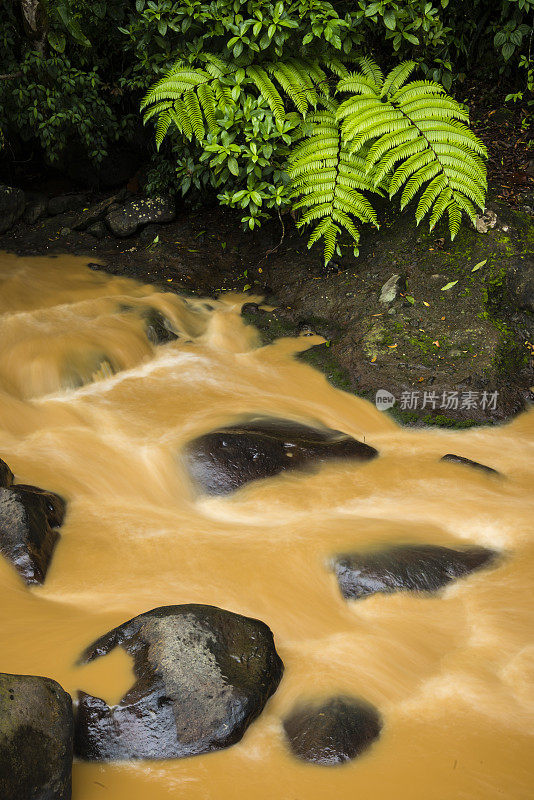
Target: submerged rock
(467, 461)
(332, 732)
(225, 459)
(203, 675)
(28, 516)
(158, 328)
(415, 568)
(6, 476)
(36, 733)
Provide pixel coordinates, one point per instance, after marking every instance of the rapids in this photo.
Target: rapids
(89, 408)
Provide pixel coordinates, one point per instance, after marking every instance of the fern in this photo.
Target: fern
(326, 177)
(359, 131)
(418, 137)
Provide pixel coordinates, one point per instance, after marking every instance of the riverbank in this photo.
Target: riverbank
(445, 328)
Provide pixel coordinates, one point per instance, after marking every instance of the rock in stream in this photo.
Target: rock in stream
(36, 735)
(203, 675)
(332, 732)
(226, 459)
(28, 518)
(412, 568)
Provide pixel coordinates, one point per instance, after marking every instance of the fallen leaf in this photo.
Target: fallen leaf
(448, 286)
(373, 359)
(480, 264)
(410, 299)
(436, 343)
(426, 304)
(392, 346)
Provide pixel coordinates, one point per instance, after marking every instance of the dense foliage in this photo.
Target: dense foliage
(272, 82)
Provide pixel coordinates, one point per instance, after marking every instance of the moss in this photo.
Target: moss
(322, 358)
(437, 420)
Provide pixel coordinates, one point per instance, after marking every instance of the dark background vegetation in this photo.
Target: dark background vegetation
(73, 73)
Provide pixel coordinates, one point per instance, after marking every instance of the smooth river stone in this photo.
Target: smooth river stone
(332, 732)
(203, 675)
(412, 568)
(227, 458)
(36, 735)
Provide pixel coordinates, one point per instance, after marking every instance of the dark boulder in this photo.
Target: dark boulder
(454, 459)
(28, 517)
(6, 476)
(36, 733)
(66, 202)
(94, 213)
(333, 731)
(55, 505)
(12, 202)
(412, 568)
(226, 459)
(36, 207)
(127, 220)
(203, 675)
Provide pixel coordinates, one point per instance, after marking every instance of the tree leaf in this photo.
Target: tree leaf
(448, 286)
(480, 264)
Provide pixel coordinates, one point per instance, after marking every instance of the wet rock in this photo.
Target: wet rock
(36, 734)
(226, 459)
(28, 516)
(392, 289)
(6, 476)
(97, 231)
(159, 329)
(412, 568)
(12, 203)
(35, 209)
(55, 505)
(127, 220)
(467, 461)
(66, 202)
(332, 732)
(203, 675)
(94, 213)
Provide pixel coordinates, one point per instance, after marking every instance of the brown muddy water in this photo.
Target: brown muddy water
(452, 675)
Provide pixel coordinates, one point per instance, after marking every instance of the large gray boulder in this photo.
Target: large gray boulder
(36, 734)
(127, 220)
(413, 568)
(203, 675)
(12, 203)
(28, 518)
(333, 731)
(225, 459)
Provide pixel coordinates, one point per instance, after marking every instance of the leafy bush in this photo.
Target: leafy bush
(61, 87)
(386, 136)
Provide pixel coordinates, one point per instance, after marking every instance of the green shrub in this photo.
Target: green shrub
(341, 133)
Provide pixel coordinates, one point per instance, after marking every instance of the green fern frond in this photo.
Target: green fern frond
(418, 135)
(371, 70)
(397, 77)
(325, 183)
(268, 90)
